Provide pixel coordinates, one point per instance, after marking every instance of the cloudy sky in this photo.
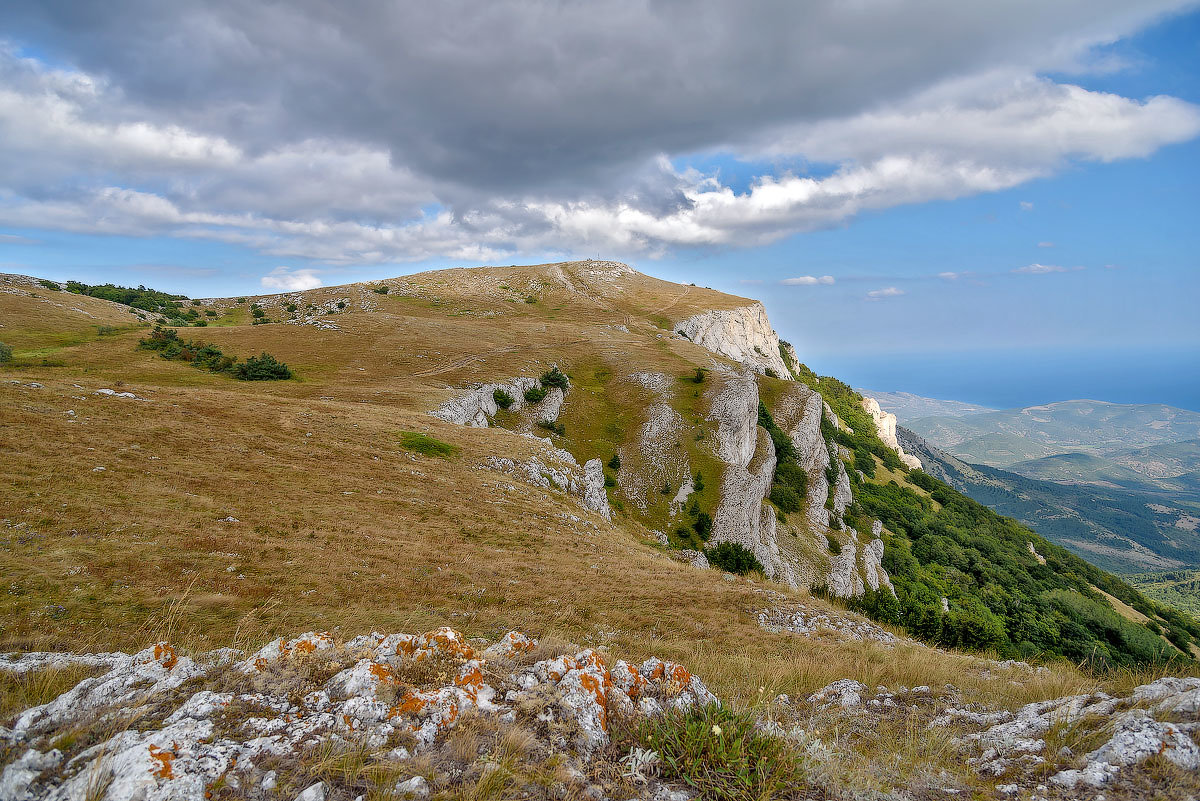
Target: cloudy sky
(911, 187)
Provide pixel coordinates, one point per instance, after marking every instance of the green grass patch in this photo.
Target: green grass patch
(426, 445)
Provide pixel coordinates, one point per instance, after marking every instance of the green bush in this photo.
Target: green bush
(698, 378)
(427, 445)
(502, 398)
(555, 378)
(291, 308)
(5, 353)
(257, 312)
(609, 480)
(210, 313)
(382, 290)
(770, 373)
(733, 558)
(241, 300)
(552, 427)
(51, 285)
(615, 462)
(721, 755)
(703, 525)
(785, 498)
(150, 300)
(262, 368)
(835, 545)
(535, 395)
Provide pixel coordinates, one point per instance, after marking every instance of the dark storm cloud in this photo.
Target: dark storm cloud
(542, 96)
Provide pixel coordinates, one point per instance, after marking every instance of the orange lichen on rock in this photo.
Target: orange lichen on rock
(164, 757)
(411, 703)
(164, 654)
(382, 673)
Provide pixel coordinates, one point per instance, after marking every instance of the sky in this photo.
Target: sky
(986, 202)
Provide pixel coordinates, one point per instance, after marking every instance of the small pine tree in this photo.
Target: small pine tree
(615, 462)
(555, 378)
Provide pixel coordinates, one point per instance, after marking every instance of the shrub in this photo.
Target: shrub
(835, 545)
(552, 427)
(257, 312)
(427, 445)
(615, 462)
(5, 353)
(262, 368)
(698, 482)
(609, 480)
(555, 378)
(51, 285)
(291, 308)
(733, 558)
(785, 498)
(241, 300)
(382, 290)
(502, 398)
(341, 304)
(721, 754)
(107, 330)
(535, 395)
(210, 313)
(530, 299)
(698, 378)
(703, 525)
(666, 488)
(770, 373)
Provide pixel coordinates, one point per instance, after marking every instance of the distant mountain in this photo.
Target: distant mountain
(1005, 438)
(1163, 461)
(1120, 529)
(907, 406)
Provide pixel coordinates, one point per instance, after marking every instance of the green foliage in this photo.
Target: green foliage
(382, 290)
(698, 378)
(534, 395)
(790, 482)
(206, 356)
(785, 498)
(427, 445)
(610, 480)
(835, 545)
(150, 300)
(241, 300)
(698, 482)
(291, 308)
(666, 488)
(51, 285)
(258, 312)
(733, 558)
(864, 462)
(5, 353)
(555, 378)
(770, 373)
(703, 525)
(615, 462)
(262, 368)
(502, 398)
(721, 755)
(209, 313)
(552, 427)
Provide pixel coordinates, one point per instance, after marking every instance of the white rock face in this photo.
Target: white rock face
(744, 335)
(873, 572)
(885, 425)
(477, 404)
(741, 515)
(559, 470)
(843, 579)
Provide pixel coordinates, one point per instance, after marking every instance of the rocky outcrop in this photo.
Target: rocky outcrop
(559, 470)
(477, 405)
(744, 335)
(843, 580)
(885, 426)
(742, 516)
(243, 723)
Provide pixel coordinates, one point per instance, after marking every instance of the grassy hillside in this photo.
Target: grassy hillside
(221, 511)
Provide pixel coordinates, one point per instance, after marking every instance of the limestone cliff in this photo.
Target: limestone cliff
(885, 425)
(744, 335)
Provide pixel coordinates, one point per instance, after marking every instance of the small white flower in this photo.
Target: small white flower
(716, 730)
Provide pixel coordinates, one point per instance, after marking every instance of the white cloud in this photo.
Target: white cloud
(886, 292)
(1026, 205)
(286, 279)
(1045, 244)
(950, 276)
(90, 154)
(1041, 269)
(808, 280)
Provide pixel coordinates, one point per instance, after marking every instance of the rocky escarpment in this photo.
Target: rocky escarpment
(744, 335)
(885, 426)
(742, 515)
(160, 726)
(557, 469)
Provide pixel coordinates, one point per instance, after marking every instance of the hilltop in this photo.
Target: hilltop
(558, 450)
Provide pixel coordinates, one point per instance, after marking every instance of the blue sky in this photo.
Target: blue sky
(1004, 213)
